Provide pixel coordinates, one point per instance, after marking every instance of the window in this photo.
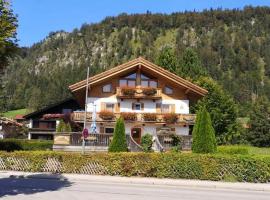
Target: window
(168, 90)
(109, 130)
(131, 83)
(144, 83)
(166, 108)
(153, 84)
(109, 107)
(131, 76)
(66, 111)
(137, 106)
(107, 88)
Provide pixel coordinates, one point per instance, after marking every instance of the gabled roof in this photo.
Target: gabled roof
(133, 64)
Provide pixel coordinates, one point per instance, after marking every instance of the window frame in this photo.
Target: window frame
(110, 85)
(166, 92)
(108, 128)
(110, 109)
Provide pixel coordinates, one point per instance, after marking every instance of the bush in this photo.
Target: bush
(147, 142)
(150, 116)
(170, 118)
(26, 145)
(119, 143)
(106, 115)
(63, 127)
(216, 167)
(203, 134)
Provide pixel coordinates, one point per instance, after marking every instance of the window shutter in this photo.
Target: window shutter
(102, 106)
(133, 106)
(101, 129)
(173, 108)
(117, 107)
(158, 107)
(142, 106)
(173, 129)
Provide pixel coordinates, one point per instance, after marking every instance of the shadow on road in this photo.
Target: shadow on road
(31, 184)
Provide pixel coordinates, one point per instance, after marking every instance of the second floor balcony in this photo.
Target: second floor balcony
(106, 116)
(138, 92)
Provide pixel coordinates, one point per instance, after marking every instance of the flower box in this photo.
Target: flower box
(128, 91)
(106, 115)
(149, 91)
(149, 117)
(170, 118)
(129, 116)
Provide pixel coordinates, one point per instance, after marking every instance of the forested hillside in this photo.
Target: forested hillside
(233, 47)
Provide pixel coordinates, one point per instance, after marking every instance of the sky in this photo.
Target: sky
(37, 18)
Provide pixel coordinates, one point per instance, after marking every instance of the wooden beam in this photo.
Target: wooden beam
(187, 91)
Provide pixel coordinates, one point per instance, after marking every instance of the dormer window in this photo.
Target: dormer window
(107, 88)
(128, 81)
(147, 82)
(168, 90)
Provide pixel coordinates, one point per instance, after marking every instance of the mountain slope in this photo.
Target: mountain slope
(233, 45)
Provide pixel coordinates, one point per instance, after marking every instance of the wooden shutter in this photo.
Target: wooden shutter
(158, 107)
(117, 107)
(101, 129)
(173, 108)
(142, 106)
(102, 106)
(133, 106)
(173, 129)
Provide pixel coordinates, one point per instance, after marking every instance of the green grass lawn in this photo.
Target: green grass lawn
(13, 113)
(243, 149)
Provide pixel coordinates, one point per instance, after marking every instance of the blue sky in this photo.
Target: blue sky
(37, 18)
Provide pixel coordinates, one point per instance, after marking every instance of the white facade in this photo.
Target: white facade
(181, 107)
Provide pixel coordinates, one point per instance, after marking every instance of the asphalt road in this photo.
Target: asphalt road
(53, 189)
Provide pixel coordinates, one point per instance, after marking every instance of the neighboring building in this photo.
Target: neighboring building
(43, 123)
(9, 128)
(148, 97)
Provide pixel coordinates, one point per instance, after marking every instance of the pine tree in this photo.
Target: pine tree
(60, 126)
(166, 59)
(119, 143)
(203, 134)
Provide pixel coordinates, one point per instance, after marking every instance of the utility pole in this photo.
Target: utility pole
(85, 110)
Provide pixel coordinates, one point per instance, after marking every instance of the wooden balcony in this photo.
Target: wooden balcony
(158, 118)
(138, 93)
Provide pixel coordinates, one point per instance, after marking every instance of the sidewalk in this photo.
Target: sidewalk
(139, 181)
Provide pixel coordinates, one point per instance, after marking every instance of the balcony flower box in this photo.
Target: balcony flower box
(149, 91)
(128, 91)
(150, 117)
(170, 118)
(129, 116)
(106, 115)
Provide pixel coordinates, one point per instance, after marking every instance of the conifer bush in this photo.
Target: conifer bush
(119, 142)
(204, 140)
(147, 142)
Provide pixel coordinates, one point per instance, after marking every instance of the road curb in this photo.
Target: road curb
(140, 181)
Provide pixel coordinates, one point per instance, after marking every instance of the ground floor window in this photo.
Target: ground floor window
(109, 130)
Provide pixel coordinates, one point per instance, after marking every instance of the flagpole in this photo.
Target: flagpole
(85, 109)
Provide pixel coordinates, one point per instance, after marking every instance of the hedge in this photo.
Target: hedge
(216, 167)
(26, 145)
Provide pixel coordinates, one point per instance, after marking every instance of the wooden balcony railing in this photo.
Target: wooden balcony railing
(141, 117)
(138, 92)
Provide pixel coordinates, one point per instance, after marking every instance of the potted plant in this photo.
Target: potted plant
(150, 117)
(128, 116)
(149, 91)
(106, 115)
(128, 91)
(170, 118)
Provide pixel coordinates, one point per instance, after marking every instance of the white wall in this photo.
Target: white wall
(97, 101)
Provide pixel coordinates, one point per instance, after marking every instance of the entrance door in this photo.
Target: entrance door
(136, 134)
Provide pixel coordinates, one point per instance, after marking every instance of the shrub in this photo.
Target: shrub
(242, 168)
(26, 145)
(119, 143)
(106, 115)
(63, 127)
(129, 116)
(129, 91)
(149, 91)
(176, 141)
(170, 118)
(147, 142)
(203, 134)
(150, 117)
